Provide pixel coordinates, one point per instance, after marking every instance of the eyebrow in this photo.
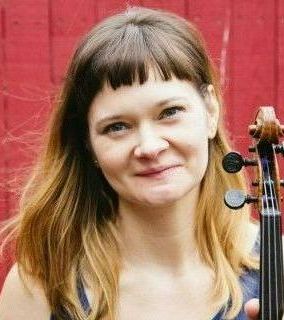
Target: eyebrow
(119, 116)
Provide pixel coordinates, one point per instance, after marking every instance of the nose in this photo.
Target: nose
(150, 144)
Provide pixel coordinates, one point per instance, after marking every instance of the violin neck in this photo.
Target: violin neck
(271, 267)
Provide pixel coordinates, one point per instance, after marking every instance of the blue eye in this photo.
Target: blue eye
(114, 127)
(121, 126)
(170, 112)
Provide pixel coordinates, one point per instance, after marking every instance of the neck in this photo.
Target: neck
(161, 238)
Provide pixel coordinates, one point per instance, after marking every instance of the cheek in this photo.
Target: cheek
(191, 135)
(199, 149)
(197, 155)
(112, 159)
(192, 142)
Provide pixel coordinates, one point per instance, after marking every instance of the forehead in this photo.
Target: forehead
(142, 96)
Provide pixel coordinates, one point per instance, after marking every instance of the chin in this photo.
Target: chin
(160, 199)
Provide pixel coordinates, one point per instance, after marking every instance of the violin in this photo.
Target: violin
(265, 132)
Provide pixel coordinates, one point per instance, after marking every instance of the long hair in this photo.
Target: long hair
(65, 229)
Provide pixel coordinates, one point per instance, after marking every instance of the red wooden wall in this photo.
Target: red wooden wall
(245, 38)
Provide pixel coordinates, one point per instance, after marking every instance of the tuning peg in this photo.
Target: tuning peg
(279, 148)
(252, 129)
(233, 162)
(235, 199)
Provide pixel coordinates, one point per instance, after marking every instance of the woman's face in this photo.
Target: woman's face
(151, 140)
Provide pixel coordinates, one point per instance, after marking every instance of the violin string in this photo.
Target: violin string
(275, 213)
(262, 258)
(267, 212)
(278, 270)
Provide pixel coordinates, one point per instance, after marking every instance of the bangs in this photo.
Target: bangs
(123, 49)
(133, 51)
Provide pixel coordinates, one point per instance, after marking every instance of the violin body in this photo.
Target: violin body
(266, 132)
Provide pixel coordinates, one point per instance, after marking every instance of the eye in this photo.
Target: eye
(115, 127)
(170, 112)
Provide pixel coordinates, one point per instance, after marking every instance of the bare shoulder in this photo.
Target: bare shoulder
(22, 300)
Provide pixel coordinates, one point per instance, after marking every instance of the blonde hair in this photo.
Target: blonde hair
(66, 225)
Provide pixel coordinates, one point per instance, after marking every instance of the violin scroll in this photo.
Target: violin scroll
(266, 125)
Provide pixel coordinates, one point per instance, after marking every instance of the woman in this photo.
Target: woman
(123, 217)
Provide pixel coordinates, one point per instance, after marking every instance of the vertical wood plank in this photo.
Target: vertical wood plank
(69, 20)
(105, 8)
(27, 63)
(252, 68)
(280, 59)
(213, 21)
(4, 260)
(26, 78)
(215, 24)
(253, 61)
(178, 7)
(279, 70)
(3, 204)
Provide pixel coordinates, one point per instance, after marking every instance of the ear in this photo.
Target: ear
(212, 110)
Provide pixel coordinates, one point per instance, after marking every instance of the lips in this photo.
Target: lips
(155, 170)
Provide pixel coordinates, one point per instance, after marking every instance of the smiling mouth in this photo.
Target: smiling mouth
(160, 174)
